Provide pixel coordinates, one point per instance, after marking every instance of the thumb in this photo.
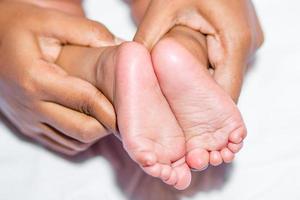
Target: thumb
(229, 61)
(155, 24)
(230, 77)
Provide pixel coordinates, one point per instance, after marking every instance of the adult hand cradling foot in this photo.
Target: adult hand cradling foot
(232, 30)
(39, 97)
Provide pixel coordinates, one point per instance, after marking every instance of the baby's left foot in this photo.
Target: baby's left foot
(148, 128)
(213, 126)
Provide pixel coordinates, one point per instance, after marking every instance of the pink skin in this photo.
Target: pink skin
(146, 96)
(149, 130)
(212, 124)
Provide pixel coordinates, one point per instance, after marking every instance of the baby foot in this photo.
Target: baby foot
(148, 128)
(213, 126)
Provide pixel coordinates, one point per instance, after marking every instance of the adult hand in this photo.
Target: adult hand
(65, 113)
(231, 26)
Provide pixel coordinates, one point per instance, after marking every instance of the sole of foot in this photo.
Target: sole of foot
(149, 130)
(212, 124)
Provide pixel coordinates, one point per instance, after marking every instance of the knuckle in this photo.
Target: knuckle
(244, 37)
(92, 102)
(29, 83)
(90, 132)
(28, 87)
(32, 82)
(90, 98)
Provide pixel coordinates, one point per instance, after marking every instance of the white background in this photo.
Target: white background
(267, 168)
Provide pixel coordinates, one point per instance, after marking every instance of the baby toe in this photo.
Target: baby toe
(154, 170)
(227, 155)
(215, 158)
(238, 135)
(172, 179)
(235, 148)
(165, 172)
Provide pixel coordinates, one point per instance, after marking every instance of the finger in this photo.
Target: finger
(53, 84)
(62, 139)
(156, 23)
(77, 94)
(230, 77)
(50, 48)
(44, 140)
(73, 124)
(74, 30)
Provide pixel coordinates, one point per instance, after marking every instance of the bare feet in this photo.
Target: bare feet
(213, 126)
(149, 131)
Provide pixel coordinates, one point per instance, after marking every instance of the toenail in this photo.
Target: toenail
(204, 168)
(198, 170)
(194, 170)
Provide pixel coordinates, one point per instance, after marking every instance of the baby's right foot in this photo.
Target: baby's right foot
(212, 123)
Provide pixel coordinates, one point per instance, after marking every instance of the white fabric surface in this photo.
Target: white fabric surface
(267, 168)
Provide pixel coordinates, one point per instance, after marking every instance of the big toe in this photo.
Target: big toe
(198, 159)
(184, 176)
(227, 155)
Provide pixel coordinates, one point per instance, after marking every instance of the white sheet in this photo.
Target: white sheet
(267, 168)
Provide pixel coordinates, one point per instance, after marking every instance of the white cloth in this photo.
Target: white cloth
(267, 167)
